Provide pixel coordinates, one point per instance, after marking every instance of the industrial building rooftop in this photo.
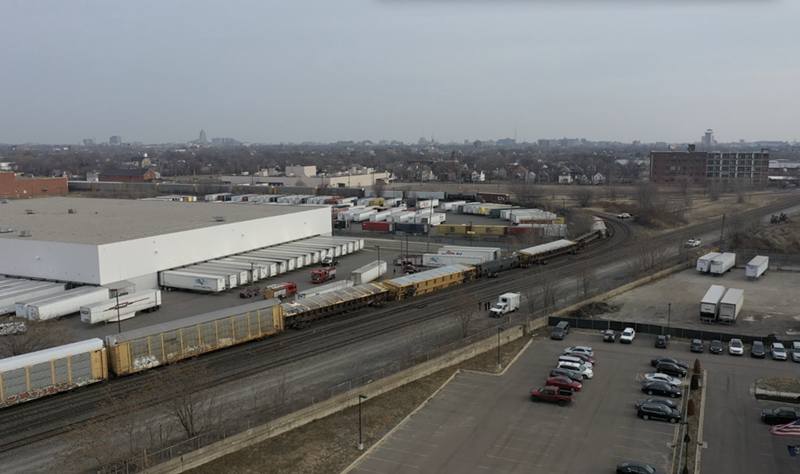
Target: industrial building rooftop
(102, 221)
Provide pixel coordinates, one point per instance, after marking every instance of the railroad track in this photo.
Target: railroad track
(29, 423)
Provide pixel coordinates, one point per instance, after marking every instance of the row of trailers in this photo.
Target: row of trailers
(38, 374)
(242, 269)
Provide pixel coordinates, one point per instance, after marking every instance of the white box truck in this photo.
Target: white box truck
(128, 306)
(67, 303)
(192, 281)
(507, 303)
(709, 305)
(722, 263)
(756, 267)
(369, 272)
(730, 305)
(704, 262)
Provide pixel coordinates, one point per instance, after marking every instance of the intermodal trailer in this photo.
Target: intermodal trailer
(723, 263)
(66, 303)
(123, 307)
(316, 254)
(704, 262)
(304, 259)
(436, 260)
(38, 374)
(275, 267)
(231, 276)
(353, 244)
(258, 269)
(192, 281)
(756, 267)
(296, 261)
(369, 272)
(141, 349)
(332, 249)
(39, 289)
(488, 253)
(287, 263)
(242, 273)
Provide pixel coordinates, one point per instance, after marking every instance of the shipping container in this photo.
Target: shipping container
(281, 266)
(452, 229)
(723, 263)
(488, 253)
(434, 218)
(450, 206)
(377, 226)
(426, 195)
(37, 374)
(427, 203)
(315, 254)
(323, 249)
(122, 307)
(369, 272)
(305, 256)
(756, 267)
(400, 217)
(704, 262)
(33, 290)
(437, 260)
(67, 303)
(260, 270)
(730, 306)
(141, 349)
(192, 281)
(236, 277)
(709, 305)
(291, 261)
(489, 229)
(410, 228)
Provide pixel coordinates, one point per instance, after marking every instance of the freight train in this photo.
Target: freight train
(39, 374)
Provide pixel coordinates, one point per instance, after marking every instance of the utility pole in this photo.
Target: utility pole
(721, 231)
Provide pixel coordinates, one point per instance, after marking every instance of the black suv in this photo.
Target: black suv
(779, 416)
(669, 368)
(696, 345)
(576, 376)
(757, 350)
(657, 411)
(661, 342)
(661, 388)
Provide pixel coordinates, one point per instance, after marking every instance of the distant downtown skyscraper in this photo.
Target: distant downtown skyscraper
(203, 139)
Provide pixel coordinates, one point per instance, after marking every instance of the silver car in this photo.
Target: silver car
(735, 347)
(778, 351)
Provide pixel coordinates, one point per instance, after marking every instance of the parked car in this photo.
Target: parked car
(716, 347)
(636, 467)
(671, 369)
(735, 347)
(659, 377)
(757, 350)
(657, 411)
(571, 374)
(552, 394)
(583, 349)
(584, 370)
(778, 351)
(250, 292)
(564, 383)
(609, 335)
(575, 360)
(693, 243)
(696, 345)
(661, 342)
(779, 416)
(624, 215)
(583, 357)
(664, 401)
(655, 360)
(661, 388)
(627, 336)
(796, 351)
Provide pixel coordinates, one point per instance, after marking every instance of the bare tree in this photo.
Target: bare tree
(188, 399)
(584, 196)
(533, 298)
(647, 257)
(92, 442)
(741, 191)
(280, 393)
(585, 280)
(525, 192)
(714, 190)
(550, 288)
(379, 187)
(38, 335)
(466, 312)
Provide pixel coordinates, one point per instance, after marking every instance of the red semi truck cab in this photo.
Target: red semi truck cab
(280, 290)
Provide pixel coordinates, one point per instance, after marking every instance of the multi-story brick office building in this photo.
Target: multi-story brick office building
(15, 187)
(701, 167)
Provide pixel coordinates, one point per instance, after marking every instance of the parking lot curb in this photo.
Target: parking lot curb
(508, 366)
(700, 443)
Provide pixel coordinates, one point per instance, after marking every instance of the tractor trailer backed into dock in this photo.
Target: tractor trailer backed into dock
(730, 306)
(709, 305)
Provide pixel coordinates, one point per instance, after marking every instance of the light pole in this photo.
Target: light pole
(470, 232)
(499, 365)
(119, 321)
(721, 231)
(669, 316)
(379, 262)
(360, 443)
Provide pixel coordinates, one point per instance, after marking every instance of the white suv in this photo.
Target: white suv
(627, 335)
(796, 351)
(735, 347)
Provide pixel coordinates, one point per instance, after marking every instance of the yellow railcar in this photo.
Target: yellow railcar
(428, 281)
(452, 229)
(489, 229)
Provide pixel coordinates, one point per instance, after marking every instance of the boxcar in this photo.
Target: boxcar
(38, 374)
(141, 349)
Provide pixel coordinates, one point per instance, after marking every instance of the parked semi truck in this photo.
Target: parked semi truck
(709, 305)
(507, 303)
(704, 262)
(124, 307)
(730, 305)
(756, 267)
(723, 263)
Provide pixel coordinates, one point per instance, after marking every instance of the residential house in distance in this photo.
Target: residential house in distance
(16, 187)
(473, 176)
(133, 175)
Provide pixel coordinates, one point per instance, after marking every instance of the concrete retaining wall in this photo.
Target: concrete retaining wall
(333, 405)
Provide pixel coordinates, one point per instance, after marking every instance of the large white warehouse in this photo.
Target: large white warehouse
(106, 241)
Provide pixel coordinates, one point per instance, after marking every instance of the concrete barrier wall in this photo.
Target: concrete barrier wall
(333, 405)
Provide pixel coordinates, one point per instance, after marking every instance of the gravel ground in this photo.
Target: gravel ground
(330, 445)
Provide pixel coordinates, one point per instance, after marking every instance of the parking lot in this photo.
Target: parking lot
(489, 421)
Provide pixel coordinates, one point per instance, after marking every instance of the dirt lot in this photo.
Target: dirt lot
(330, 445)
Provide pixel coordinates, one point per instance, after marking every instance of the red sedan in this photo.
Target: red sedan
(564, 383)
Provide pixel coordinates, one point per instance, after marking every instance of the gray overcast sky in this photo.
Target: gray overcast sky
(321, 70)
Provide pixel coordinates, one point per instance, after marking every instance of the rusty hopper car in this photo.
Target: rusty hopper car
(302, 312)
(38, 374)
(141, 349)
(428, 281)
(540, 253)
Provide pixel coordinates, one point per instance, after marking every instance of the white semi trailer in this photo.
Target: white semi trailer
(369, 272)
(124, 307)
(184, 280)
(723, 263)
(756, 267)
(704, 262)
(709, 305)
(68, 302)
(730, 306)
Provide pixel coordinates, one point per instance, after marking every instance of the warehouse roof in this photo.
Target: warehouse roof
(103, 221)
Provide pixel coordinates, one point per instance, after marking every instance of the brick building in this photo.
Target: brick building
(701, 167)
(138, 175)
(13, 187)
